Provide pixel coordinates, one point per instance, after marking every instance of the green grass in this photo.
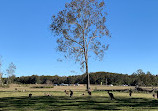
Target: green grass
(19, 101)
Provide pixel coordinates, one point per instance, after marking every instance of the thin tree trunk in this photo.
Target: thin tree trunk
(88, 81)
(85, 46)
(0, 79)
(86, 62)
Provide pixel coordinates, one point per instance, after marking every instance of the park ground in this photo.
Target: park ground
(18, 100)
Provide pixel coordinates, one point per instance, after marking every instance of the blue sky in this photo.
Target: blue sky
(26, 40)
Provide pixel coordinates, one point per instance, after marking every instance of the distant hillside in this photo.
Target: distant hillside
(106, 78)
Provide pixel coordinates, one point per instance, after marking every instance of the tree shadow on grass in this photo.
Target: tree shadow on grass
(57, 103)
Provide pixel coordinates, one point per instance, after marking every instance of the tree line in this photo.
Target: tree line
(139, 78)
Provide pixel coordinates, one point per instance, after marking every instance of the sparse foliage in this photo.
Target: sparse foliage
(1, 82)
(11, 72)
(81, 31)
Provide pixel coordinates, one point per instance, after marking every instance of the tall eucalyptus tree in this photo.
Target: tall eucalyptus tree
(81, 30)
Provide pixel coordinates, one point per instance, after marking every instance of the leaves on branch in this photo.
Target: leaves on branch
(81, 28)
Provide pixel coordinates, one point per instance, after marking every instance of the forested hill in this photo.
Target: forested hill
(138, 78)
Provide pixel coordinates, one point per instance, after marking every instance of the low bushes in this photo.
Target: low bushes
(43, 86)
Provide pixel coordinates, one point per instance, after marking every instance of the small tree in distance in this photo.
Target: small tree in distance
(1, 74)
(81, 31)
(11, 72)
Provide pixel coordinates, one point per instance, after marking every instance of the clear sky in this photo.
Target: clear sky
(26, 40)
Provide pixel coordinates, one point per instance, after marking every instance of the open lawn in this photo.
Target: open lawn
(19, 101)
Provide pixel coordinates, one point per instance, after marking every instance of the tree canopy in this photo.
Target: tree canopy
(81, 30)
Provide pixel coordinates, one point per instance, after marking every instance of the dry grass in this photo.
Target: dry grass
(27, 87)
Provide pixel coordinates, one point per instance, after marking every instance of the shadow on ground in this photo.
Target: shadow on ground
(57, 103)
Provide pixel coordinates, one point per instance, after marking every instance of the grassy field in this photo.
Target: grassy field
(18, 100)
(28, 87)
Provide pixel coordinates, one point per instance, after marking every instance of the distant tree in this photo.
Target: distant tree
(11, 72)
(139, 72)
(1, 74)
(81, 31)
(71, 79)
(38, 80)
(49, 82)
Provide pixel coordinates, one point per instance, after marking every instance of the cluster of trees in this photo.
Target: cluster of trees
(106, 78)
(139, 78)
